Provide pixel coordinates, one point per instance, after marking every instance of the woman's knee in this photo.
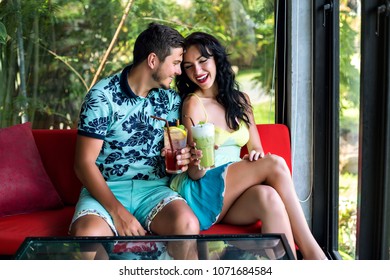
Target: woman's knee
(279, 162)
(278, 166)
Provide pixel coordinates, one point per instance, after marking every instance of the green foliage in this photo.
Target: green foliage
(347, 228)
(349, 122)
(349, 57)
(263, 103)
(65, 40)
(3, 33)
(347, 215)
(264, 112)
(349, 44)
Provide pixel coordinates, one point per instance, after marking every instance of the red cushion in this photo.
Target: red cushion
(24, 184)
(57, 149)
(57, 153)
(231, 229)
(14, 229)
(275, 139)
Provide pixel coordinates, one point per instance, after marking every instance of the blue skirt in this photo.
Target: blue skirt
(204, 196)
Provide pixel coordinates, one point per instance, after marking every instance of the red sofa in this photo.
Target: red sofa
(56, 148)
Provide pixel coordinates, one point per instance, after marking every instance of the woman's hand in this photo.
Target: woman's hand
(195, 172)
(183, 158)
(196, 154)
(254, 155)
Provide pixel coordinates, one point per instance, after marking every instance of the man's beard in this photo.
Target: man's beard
(157, 77)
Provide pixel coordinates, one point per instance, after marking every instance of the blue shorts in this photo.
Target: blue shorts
(143, 199)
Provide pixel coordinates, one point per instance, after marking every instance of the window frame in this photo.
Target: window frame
(281, 99)
(326, 125)
(373, 217)
(325, 115)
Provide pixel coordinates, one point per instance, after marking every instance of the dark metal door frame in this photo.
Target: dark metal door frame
(374, 152)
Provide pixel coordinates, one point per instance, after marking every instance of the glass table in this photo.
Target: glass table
(202, 247)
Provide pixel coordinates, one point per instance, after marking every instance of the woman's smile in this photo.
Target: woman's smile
(202, 79)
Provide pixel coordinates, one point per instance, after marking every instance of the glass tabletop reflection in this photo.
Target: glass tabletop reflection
(201, 247)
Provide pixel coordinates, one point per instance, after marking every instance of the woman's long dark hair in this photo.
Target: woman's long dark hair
(229, 95)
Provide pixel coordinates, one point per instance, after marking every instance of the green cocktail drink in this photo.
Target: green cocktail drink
(203, 135)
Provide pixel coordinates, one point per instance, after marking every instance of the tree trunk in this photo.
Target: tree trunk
(108, 51)
(21, 62)
(35, 38)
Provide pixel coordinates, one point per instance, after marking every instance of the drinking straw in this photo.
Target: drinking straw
(193, 124)
(169, 133)
(192, 121)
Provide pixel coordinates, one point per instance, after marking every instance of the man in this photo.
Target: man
(118, 147)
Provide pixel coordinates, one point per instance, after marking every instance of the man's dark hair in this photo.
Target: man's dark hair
(158, 39)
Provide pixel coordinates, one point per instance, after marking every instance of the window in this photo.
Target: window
(369, 103)
(349, 88)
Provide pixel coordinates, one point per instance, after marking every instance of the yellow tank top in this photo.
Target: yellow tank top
(229, 143)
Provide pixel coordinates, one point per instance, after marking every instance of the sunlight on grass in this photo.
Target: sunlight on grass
(264, 112)
(263, 105)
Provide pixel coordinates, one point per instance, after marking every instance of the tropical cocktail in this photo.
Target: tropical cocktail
(203, 136)
(173, 143)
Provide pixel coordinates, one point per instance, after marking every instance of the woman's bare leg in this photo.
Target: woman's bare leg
(272, 170)
(263, 203)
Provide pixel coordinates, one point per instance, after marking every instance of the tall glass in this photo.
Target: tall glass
(173, 145)
(203, 135)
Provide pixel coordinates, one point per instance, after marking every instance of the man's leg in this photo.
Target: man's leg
(91, 225)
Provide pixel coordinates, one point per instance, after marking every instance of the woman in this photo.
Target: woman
(243, 191)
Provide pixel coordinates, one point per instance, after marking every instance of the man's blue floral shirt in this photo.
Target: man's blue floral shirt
(132, 139)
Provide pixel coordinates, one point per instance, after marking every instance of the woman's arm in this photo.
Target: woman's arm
(255, 148)
(192, 110)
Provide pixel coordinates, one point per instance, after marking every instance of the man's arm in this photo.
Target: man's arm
(87, 150)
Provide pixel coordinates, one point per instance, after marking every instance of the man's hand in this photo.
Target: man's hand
(126, 224)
